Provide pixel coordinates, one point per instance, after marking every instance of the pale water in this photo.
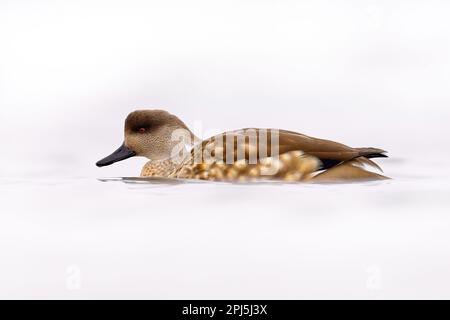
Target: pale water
(134, 238)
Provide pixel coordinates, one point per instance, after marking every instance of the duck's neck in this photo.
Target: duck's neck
(166, 167)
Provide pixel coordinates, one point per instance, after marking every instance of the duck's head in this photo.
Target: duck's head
(148, 133)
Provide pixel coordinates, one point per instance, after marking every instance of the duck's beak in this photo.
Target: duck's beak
(120, 154)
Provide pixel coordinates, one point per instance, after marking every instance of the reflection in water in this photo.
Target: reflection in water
(174, 181)
(147, 180)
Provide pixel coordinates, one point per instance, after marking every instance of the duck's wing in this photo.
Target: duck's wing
(238, 155)
(329, 152)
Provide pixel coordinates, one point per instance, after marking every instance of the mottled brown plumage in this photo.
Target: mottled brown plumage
(242, 155)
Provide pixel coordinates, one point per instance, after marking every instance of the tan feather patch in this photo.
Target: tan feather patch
(352, 170)
(291, 166)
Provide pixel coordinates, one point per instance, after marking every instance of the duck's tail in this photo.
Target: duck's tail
(372, 153)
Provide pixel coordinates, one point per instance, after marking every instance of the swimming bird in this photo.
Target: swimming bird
(241, 155)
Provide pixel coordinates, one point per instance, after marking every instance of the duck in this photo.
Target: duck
(244, 155)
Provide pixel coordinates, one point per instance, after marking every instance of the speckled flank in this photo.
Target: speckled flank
(291, 166)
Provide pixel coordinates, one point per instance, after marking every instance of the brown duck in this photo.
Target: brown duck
(242, 155)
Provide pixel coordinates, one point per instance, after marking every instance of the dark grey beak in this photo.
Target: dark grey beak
(120, 154)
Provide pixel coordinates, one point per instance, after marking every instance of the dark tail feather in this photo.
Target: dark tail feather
(376, 155)
(372, 153)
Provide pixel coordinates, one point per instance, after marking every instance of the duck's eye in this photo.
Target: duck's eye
(142, 130)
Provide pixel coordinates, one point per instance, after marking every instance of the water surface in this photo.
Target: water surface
(92, 237)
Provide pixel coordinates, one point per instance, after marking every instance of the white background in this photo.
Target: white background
(366, 73)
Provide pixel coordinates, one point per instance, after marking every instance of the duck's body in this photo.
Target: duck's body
(241, 155)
